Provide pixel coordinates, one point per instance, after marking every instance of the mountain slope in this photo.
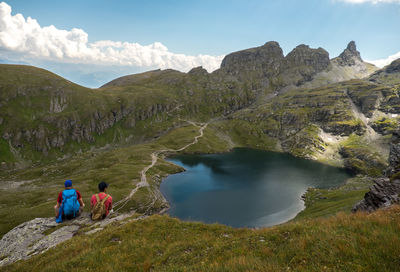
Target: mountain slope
(389, 75)
(46, 116)
(43, 114)
(52, 129)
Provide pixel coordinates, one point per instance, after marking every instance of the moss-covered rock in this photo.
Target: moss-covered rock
(385, 125)
(361, 157)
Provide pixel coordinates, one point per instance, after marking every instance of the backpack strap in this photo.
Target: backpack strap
(97, 198)
(63, 197)
(105, 199)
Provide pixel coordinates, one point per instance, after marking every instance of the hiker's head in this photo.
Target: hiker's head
(102, 186)
(68, 183)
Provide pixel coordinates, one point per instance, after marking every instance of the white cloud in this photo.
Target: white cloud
(383, 62)
(370, 1)
(27, 40)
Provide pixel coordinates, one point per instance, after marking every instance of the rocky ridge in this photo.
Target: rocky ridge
(350, 56)
(59, 115)
(389, 75)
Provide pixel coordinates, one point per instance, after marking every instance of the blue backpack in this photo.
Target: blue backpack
(70, 204)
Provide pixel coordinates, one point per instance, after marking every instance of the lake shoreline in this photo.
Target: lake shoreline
(289, 215)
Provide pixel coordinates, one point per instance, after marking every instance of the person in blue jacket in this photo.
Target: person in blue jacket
(69, 203)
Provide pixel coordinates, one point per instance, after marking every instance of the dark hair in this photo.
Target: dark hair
(102, 186)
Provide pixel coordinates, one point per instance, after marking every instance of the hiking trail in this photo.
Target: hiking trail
(30, 238)
(154, 158)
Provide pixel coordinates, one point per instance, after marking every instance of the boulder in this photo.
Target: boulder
(382, 194)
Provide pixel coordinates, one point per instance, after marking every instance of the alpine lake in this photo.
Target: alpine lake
(245, 187)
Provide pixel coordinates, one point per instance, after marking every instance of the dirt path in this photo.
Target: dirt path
(29, 238)
(154, 158)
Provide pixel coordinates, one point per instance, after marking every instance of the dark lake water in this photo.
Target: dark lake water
(244, 188)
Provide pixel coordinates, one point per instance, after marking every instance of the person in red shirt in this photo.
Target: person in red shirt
(102, 194)
(68, 185)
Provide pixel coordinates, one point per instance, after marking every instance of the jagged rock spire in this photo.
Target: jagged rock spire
(350, 56)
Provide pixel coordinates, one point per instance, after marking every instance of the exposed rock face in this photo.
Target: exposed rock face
(385, 126)
(366, 97)
(349, 65)
(30, 238)
(382, 194)
(267, 64)
(389, 75)
(394, 67)
(302, 64)
(266, 59)
(79, 128)
(394, 157)
(303, 55)
(20, 242)
(350, 56)
(58, 103)
(385, 191)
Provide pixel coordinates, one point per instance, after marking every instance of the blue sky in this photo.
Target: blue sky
(188, 33)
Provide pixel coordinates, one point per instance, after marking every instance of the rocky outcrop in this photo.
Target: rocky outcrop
(350, 56)
(394, 157)
(349, 65)
(385, 191)
(58, 103)
(268, 65)
(382, 194)
(389, 75)
(55, 131)
(316, 60)
(40, 234)
(394, 67)
(385, 126)
(265, 60)
(29, 239)
(366, 98)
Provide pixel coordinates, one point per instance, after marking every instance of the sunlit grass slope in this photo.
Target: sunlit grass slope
(347, 242)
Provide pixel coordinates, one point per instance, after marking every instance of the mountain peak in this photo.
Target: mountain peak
(352, 47)
(272, 44)
(303, 55)
(350, 56)
(264, 59)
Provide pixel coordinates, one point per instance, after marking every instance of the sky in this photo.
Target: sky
(92, 42)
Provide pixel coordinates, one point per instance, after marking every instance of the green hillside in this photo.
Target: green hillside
(46, 117)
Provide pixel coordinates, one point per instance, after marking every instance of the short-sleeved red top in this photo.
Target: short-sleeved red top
(60, 198)
(108, 202)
